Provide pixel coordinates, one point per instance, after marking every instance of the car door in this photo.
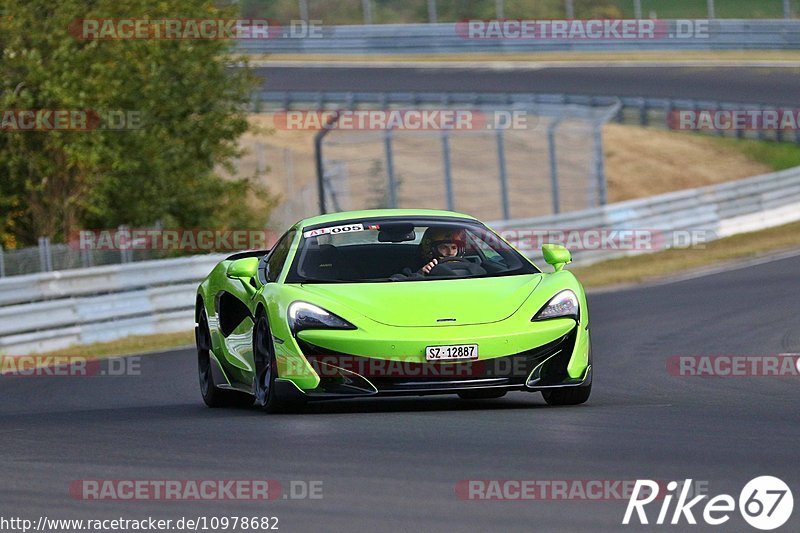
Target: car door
(233, 302)
(237, 305)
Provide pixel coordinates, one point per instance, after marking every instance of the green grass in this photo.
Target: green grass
(670, 9)
(416, 11)
(130, 345)
(667, 263)
(776, 155)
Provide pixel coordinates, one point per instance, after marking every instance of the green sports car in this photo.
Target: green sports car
(390, 302)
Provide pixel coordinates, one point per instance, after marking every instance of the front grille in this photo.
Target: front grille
(337, 369)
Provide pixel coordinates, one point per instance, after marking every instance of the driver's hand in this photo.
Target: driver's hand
(427, 268)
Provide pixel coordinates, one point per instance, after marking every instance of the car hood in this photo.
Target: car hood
(433, 303)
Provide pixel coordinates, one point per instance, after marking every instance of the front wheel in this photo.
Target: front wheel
(267, 370)
(568, 395)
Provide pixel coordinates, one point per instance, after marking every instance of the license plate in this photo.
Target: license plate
(451, 353)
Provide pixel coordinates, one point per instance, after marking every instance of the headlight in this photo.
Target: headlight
(303, 315)
(562, 305)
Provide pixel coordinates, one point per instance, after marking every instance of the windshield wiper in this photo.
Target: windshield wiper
(320, 280)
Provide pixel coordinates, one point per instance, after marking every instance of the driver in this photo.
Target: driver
(440, 243)
(443, 247)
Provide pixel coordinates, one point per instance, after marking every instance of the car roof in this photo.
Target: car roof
(378, 213)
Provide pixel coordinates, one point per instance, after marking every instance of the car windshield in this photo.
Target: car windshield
(397, 250)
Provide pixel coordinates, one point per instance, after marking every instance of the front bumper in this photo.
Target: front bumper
(561, 362)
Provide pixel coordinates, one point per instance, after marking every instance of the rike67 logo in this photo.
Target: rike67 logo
(765, 503)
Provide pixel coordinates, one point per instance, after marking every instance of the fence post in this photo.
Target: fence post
(86, 257)
(261, 166)
(42, 260)
(637, 9)
(569, 9)
(367, 7)
(303, 7)
(125, 244)
(320, 135)
(711, 13)
(551, 148)
(501, 161)
(2, 263)
(432, 11)
(643, 118)
(49, 254)
(720, 132)
(787, 9)
(336, 171)
(387, 144)
(448, 172)
(45, 255)
(499, 9)
(599, 165)
(669, 107)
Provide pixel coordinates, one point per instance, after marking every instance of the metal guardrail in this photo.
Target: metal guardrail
(543, 103)
(715, 211)
(103, 280)
(56, 310)
(728, 34)
(633, 109)
(570, 9)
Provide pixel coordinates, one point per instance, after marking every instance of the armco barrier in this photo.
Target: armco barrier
(633, 109)
(715, 211)
(449, 39)
(56, 310)
(103, 280)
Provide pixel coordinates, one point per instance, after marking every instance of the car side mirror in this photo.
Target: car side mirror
(556, 255)
(244, 269)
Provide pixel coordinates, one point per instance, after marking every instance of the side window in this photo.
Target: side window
(278, 256)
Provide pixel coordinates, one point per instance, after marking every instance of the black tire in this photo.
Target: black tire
(481, 394)
(567, 396)
(267, 370)
(212, 395)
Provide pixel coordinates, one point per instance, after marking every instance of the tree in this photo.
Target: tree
(190, 105)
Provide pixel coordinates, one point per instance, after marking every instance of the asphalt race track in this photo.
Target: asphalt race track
(394, 464)
(774, 86)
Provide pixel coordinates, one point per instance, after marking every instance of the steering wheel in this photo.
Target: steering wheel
(442, 268)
